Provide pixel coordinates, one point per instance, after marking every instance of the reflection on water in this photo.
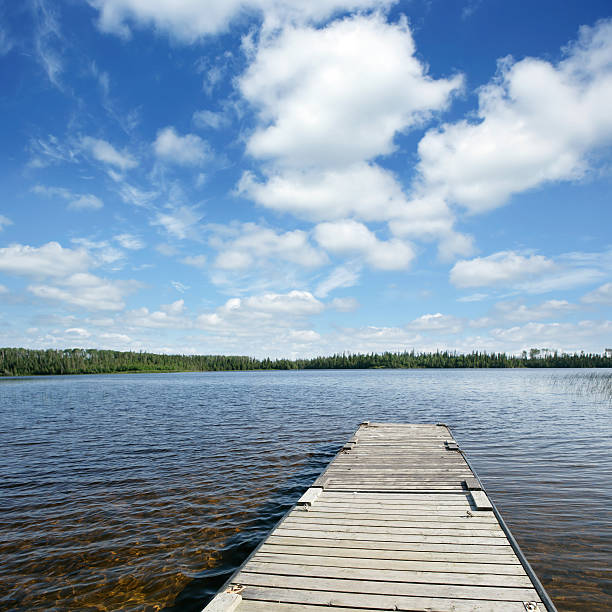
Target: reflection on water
(145, 492)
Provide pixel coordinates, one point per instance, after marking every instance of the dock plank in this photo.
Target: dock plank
(395, 522)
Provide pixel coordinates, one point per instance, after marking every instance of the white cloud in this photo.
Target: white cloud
(474, 297)
(180, 223)
(129, 241)
(47, 37)
(536, 123)
(352, 237)
(104, 252)
(170, 316)
(86, 202)
(297, 303)
(210, 119)
(304, 336)
(77, 332)
(361, 189)
(188, 20)
(569, 337)
(135, 196)
(86, 291)
(601, 295)
(330, 102)
(4, 221)
(338, 95)
(75, 201)
(104, 152)
(49, 260)
(247, 245)
(51, 151)
(188, 150)
(6, 43)
(437, 322)
(180, 287)
(515, 311)
(275, 309)
(346, 304)
(503, 268)
(197, 261)
(342, 276)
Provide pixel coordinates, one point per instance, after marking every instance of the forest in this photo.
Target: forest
(34, 362)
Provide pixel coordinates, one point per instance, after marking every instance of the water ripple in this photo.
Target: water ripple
(145, 492)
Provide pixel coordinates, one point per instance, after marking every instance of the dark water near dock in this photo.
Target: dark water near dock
(145, 491)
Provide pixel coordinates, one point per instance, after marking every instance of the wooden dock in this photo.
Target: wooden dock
(397, 521)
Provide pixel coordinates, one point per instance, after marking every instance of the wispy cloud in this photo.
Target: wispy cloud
(105, 152)
(48, 39)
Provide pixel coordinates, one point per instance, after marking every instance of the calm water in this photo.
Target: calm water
(145, 492)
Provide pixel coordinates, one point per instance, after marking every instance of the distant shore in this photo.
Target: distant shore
(36, 362)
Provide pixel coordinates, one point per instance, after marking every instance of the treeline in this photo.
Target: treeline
(30, 362)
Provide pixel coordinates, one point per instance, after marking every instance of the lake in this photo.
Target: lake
(146, 491)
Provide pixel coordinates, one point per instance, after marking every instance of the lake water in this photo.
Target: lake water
(146, 491)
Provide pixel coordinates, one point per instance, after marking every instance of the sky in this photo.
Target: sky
(290, 178)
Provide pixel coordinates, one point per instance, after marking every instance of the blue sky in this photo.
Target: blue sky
(303, 177)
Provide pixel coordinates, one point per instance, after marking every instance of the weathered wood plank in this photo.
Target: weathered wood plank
(389, 564)
(428, 522)
(306, 521)
(481, 501)
(278, 596)
(502, 557)
(387, 588)
(310, 496)
(388, 575)
(394, 517)
(466, 539)
(224, 602)
(391, 545)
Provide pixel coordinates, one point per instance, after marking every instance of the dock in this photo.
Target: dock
(397, 521)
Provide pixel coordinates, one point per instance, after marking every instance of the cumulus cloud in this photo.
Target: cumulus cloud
(335, 96)
(187, 150)
(104, 152)
(170, 316)
(569, 337)
(536, 123)
(269, 309)
(515, 311)
(330, 102)
(503, 268)
(531, 273)
(351, 237)
(85, 290)
(4, 221)
(49, 260)
(246, 245)
(362, 189)
(187, 20)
